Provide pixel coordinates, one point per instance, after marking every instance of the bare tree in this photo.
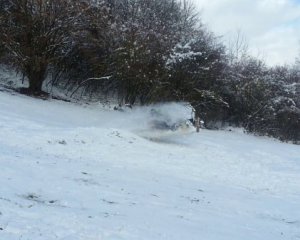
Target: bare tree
(238, 48)
(36, 34)
(147, 32)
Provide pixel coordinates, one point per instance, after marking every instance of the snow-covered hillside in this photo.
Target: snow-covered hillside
(72, 172)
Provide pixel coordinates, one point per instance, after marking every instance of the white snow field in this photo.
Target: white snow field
(81, 172)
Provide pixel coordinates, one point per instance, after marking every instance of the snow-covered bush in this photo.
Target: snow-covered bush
(263, 100)
(194, 67)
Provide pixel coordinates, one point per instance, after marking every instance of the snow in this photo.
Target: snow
(181, 53)
(81, 172)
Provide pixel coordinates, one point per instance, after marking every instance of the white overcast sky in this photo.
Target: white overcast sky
(272, 27)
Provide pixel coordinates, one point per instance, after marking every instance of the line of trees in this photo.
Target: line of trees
(145, 51)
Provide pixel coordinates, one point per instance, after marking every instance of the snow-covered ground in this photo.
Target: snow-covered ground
(80, 172)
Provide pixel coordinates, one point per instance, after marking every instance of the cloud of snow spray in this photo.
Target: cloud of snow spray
(159, 120)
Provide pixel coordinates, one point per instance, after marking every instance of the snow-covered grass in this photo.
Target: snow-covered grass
(73, 172)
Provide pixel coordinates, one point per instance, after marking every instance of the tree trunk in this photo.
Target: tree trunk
(198, 124)
(35, 83)
(36, 76)
(35, 87)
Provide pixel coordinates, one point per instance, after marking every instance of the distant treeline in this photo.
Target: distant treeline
(145, 51)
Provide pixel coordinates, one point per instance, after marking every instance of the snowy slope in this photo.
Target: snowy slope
(72, 172)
